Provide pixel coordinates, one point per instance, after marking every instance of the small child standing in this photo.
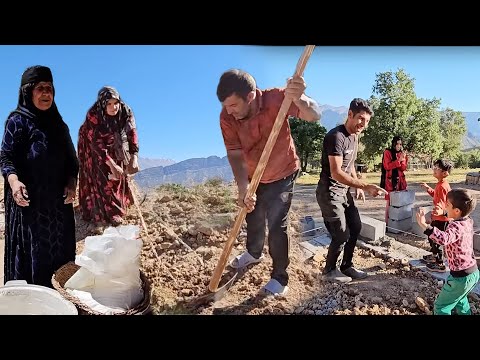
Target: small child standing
(441, 169)
(458, 242)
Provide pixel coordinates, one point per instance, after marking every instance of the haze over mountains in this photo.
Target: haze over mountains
(146, 163)
(156, 172)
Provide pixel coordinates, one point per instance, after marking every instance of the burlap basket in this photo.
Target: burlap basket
(61, 276)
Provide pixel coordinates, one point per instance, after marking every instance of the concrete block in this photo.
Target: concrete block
(427, 209)
(402, 225)
(316, 243)
(372, 229)
(400, 213)
(308, 224)
(402, 198)
(312, 247)
(417, 230)
(476, 242)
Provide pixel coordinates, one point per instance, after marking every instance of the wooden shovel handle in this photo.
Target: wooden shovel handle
(257, 175)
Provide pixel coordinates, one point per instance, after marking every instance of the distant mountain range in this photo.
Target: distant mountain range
(333, 115)
(155, 172)
(472, 138)
(188, 172)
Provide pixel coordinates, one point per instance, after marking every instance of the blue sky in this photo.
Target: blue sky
(172, 89)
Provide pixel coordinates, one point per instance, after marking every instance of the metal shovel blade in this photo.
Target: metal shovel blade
(215, 296)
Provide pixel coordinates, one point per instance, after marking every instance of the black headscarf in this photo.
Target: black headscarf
(49, 121)
(36, 74)
(394, 157)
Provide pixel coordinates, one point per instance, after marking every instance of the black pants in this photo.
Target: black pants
(272, 207)
(435, 248)
(342, 221)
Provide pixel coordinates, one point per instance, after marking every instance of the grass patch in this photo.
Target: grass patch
(308, 179)
(419, 176)
(176, 189)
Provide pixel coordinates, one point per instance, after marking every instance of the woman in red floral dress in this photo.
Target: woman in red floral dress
(108, 153)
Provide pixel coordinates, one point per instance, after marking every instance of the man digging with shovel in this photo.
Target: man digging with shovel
(247, 118)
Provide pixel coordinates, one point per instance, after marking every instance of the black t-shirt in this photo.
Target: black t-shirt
(338, 142)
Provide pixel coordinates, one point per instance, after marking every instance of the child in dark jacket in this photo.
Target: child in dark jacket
(457, 240)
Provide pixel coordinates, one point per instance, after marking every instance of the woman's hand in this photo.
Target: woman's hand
(133, 167)
(19, 191)
(116, 171)
(70, 191)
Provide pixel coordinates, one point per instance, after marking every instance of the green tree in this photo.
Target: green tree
(398, 111)
(462, 161)
(422, 134)
(308, 138)
(453, 128)
(393, 101)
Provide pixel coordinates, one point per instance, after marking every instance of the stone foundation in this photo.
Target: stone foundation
(473, 178)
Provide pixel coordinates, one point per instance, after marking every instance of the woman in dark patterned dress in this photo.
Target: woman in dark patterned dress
(108, 153)
(40, 167)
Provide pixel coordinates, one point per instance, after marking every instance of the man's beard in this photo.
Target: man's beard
(247, 115)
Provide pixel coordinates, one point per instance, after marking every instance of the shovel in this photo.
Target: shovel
(216, 292)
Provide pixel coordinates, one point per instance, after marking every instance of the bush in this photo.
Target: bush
(462, 161)
(175, 188)
(214, 182)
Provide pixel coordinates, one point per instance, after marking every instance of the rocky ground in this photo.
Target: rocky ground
(187, 230)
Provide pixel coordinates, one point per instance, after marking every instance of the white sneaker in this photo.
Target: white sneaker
(274, 288)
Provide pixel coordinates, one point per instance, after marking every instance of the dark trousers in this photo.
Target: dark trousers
(342, 221)
(272, 207)
(435, 248)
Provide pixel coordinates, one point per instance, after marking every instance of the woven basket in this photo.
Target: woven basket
(61, 276)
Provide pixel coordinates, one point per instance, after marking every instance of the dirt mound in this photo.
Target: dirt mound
(187, 230)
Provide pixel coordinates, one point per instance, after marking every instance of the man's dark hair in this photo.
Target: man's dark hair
(357, 105)
(463, 200)
(443, 164)
(235, 81)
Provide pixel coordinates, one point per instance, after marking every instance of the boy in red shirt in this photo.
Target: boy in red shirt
(441, 169)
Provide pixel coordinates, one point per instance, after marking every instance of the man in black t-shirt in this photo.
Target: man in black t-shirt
(339, 212)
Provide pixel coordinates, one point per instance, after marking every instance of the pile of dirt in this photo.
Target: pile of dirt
(187, 230)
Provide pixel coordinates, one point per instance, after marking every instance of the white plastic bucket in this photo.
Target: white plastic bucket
(19, 298)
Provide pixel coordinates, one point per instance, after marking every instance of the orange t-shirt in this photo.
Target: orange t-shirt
(439, 195)
(251, 135)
